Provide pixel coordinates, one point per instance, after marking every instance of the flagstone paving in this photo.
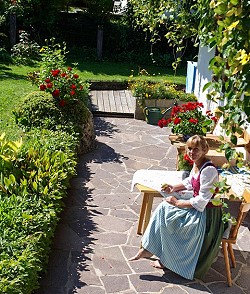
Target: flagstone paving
(97, 231)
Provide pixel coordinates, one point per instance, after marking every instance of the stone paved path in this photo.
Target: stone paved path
(97, 231)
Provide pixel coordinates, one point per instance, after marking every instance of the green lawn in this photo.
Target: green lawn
(111, 71)
(14, 84)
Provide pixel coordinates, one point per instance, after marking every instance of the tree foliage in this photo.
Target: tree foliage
(178, 19)
(228, 29)
(220, 24)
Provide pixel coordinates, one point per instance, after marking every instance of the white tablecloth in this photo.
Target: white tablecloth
(155, 178)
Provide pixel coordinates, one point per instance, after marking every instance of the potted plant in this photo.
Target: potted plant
(188, 119)
(157, 94)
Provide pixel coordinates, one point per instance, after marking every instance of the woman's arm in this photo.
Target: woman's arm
(207, 179)
(178, 202)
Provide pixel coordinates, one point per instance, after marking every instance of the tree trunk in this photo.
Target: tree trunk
(12, 29)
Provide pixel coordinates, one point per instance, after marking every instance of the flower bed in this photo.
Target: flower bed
(157, 95)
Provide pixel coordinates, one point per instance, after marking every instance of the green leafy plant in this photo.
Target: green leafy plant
(26, 51)
(188, 119)
(33, 180)
(38, 109)
(226, 27)
(53, 56)
(221, 194)
(178, 20)
(62, 83)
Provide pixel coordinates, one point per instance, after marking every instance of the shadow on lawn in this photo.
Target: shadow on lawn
(7, 73)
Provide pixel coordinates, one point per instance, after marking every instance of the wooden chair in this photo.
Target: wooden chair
(227, 247)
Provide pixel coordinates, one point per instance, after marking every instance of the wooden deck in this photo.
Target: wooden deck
(112, 103)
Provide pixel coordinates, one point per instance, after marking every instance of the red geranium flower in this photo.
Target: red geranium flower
(47, 80)
(56, 93)
(63, 74)
(160, 123)
(177, 120)
(193, 120)
(49, 85)
(73, 87)
(69, 68)
(55, 72)
(76, 76)
(62, 102)
(72, 93)
(42, 87)
(188, 159)
(175, 110)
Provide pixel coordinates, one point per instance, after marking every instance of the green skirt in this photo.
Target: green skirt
(212, 240)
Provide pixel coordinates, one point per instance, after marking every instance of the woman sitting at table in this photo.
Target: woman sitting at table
(185, 234)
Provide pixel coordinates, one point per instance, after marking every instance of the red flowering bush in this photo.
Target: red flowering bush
(65, 86)
(188, 119)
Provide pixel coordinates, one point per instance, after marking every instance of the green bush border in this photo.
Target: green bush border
(35, 176)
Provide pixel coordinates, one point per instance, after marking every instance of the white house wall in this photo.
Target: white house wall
(203, 76)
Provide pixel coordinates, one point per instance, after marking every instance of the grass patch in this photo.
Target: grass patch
(111, 71)
(14, 87)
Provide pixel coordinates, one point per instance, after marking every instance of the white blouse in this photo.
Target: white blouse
(208, 176)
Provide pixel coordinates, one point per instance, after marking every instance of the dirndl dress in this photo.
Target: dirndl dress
(185, 240)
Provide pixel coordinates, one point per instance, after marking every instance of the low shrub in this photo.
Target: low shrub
(34, 179)
(5, 56)
(40, 110)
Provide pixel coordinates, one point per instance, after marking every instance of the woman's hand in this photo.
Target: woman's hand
(167, 188)
(171, 200)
